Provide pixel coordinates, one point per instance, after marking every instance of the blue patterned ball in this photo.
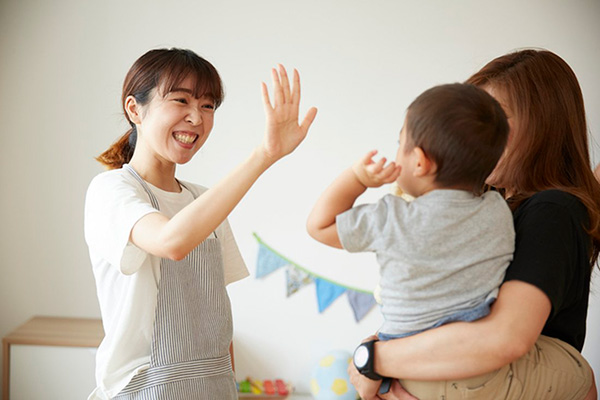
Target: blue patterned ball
(330, 380)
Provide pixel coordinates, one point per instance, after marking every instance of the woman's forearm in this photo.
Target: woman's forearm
(466, 349)
(453, 352)
(174, 238)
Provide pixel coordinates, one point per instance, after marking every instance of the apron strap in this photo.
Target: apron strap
(153, 199)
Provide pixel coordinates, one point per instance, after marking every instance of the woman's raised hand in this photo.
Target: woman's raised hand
(283, 133)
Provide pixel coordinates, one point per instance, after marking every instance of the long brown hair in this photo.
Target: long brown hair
(549, 149)
(161, 69)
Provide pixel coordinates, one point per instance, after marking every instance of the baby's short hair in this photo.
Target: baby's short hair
(462, 129)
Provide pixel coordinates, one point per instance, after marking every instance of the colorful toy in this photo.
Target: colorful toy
(281, 387)
(330, 380)
(244, 387)
(267, 389)
(256, 386)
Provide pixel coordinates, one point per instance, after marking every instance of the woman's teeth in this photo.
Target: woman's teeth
(184, 137)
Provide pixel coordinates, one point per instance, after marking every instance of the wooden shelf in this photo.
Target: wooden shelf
(50, 331)
(58, 331)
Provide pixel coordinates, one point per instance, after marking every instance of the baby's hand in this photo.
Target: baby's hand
(375, 174)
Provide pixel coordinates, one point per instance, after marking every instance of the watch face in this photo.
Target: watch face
(361, 356)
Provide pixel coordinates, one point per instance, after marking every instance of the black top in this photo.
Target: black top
(552, 252)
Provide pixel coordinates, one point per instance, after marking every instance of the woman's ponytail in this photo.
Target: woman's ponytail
(120, 152)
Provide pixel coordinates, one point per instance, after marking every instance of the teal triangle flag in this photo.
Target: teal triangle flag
(268, 261)
(327, 292)
(361, 303)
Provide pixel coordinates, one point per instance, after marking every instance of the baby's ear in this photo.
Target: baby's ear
(424, 165)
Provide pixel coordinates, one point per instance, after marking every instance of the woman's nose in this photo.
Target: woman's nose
(194, 117)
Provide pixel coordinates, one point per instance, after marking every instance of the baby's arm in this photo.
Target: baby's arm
(343, 192)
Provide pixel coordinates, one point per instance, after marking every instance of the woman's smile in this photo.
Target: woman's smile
(186, 138)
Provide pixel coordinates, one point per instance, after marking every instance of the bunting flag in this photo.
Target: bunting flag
(297, 277)
(361, 303)
(268, 261)
(327, 292)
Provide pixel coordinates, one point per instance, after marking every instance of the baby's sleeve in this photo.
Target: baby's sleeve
(113, 205)
(360, 227)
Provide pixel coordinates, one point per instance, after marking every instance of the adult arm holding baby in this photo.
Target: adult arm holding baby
(537, 326)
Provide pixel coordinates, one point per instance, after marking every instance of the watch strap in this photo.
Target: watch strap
(367, 369)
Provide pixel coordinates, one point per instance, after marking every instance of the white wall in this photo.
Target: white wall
(61, 67)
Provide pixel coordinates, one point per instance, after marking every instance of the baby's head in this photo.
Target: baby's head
(453, 135)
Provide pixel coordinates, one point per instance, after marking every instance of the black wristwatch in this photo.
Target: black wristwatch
(364, 357)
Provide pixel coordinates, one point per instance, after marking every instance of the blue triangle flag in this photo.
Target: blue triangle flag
(327, 292)
(268, 261)
(361, 303)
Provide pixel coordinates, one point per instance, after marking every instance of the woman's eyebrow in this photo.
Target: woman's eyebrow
(185, 90)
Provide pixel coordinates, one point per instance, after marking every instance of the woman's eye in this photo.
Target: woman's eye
(209, 106)
(182, 101)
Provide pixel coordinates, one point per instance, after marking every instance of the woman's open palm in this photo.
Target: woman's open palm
(283, 133)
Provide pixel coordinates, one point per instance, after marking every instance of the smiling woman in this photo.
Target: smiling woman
(161, 249)
(175, 75)
(174, 124)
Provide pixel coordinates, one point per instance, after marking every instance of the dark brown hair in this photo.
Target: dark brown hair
(462, 129)
(163, 70)
(549, 144)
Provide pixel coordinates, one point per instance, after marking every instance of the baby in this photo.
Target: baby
(443, 255)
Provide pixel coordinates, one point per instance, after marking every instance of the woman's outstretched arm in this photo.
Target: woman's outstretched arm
(174, 238)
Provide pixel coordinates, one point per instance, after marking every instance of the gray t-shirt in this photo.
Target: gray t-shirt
(440, 254)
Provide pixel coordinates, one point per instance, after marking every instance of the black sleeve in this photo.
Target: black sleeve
(545, 248)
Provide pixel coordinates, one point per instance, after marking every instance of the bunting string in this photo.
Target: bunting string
(327, 291)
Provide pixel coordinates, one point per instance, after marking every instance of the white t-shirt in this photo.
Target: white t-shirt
(127, 277)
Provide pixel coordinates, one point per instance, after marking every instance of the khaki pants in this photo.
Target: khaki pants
(552, 370)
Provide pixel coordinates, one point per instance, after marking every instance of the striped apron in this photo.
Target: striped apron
(192, 329)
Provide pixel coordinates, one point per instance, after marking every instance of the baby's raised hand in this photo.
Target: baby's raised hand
(283, 133)
(375, 174)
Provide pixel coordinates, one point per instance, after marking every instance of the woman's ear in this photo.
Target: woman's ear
(133, 110)
(423, 165)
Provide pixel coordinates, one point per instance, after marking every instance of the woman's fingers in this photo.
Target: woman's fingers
(285, 84)
(277, 89)
(397, 392)
(296, 90)
(281, 85)
(308, 120)
(284, 131)
(265, 97)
